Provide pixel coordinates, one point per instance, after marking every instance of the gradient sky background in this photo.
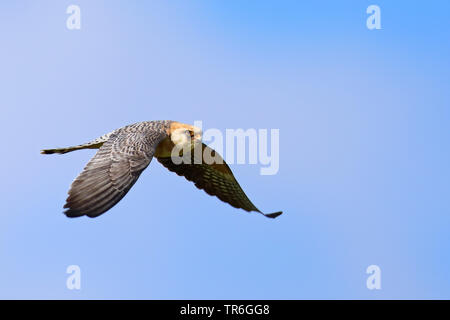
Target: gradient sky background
(364, 148)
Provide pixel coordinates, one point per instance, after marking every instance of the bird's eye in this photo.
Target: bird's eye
(189, 133)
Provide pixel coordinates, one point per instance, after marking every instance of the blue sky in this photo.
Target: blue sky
(364, 148)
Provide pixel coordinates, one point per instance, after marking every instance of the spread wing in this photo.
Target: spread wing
(111, 173)
(215, 178)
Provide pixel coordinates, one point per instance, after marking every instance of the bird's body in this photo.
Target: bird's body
(124, 153)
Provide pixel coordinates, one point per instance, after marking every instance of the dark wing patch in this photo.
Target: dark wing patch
(216, 179)
(111, 173)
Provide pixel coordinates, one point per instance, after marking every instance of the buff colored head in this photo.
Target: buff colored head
(182, 135)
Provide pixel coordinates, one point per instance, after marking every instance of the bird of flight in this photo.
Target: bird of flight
(124, 153)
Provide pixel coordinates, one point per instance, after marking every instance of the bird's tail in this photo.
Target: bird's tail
(70, 149)
(94, 144)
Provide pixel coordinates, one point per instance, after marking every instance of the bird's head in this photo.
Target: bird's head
(185, 136)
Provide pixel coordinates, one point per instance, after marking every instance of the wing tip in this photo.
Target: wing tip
(73, 212)
(70, 213)
(273, 215)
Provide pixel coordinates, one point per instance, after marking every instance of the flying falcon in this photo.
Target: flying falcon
(124, 153)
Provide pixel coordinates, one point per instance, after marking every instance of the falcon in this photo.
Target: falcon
(124, 153)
